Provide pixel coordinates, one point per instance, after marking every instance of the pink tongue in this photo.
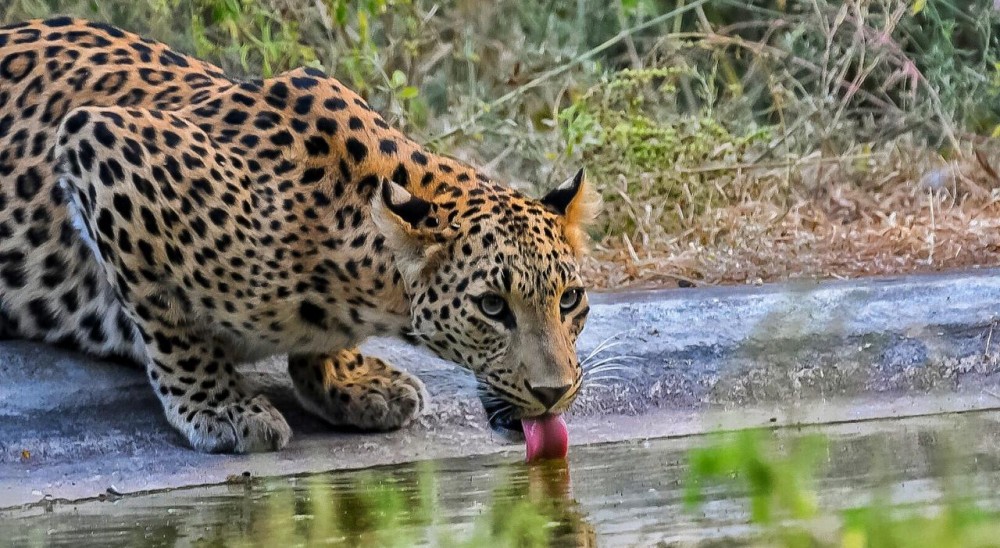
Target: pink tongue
(545, 437)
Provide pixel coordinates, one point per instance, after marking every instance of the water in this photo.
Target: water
(610, 495)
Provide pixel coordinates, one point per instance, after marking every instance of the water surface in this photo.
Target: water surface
(608, 495)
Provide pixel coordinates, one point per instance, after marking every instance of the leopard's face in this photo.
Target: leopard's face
(499, 292)
(509, 306)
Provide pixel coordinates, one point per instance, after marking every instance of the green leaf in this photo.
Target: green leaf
(340, 12)
(918, 6)
(409, 92)
(398, 79)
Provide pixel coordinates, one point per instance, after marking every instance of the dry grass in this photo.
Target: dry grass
(725, 204)
(900, 210)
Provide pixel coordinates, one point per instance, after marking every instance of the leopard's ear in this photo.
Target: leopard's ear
(408, 225)
(578, 203)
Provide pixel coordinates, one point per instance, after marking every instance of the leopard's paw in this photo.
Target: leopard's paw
(380, 398)
(383, 403)
(252, 425)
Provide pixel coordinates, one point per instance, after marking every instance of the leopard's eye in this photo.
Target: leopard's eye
(493, 305)
(570, 299)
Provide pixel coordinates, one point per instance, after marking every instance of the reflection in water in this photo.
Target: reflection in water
(626, 494)
(535, 504)
(482, 504)
(528, 506)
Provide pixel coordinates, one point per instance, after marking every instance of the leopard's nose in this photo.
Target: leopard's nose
(548, 396)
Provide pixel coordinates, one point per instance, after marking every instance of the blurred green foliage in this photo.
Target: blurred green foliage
(779, 484)
(778, 473)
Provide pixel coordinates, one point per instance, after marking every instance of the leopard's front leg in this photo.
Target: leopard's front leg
(141, 229)
(346, 388)
(205, 398)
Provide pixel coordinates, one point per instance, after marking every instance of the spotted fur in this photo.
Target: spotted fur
(153, 208)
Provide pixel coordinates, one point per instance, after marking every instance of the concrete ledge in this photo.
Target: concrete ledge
(784, 353)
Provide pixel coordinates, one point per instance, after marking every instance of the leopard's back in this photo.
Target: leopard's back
(51, 287)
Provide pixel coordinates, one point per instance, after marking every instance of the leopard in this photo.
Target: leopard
(157, 211)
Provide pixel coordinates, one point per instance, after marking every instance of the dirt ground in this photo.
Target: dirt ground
(905, 212)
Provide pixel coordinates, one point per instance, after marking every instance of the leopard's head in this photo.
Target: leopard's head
(494, 285)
